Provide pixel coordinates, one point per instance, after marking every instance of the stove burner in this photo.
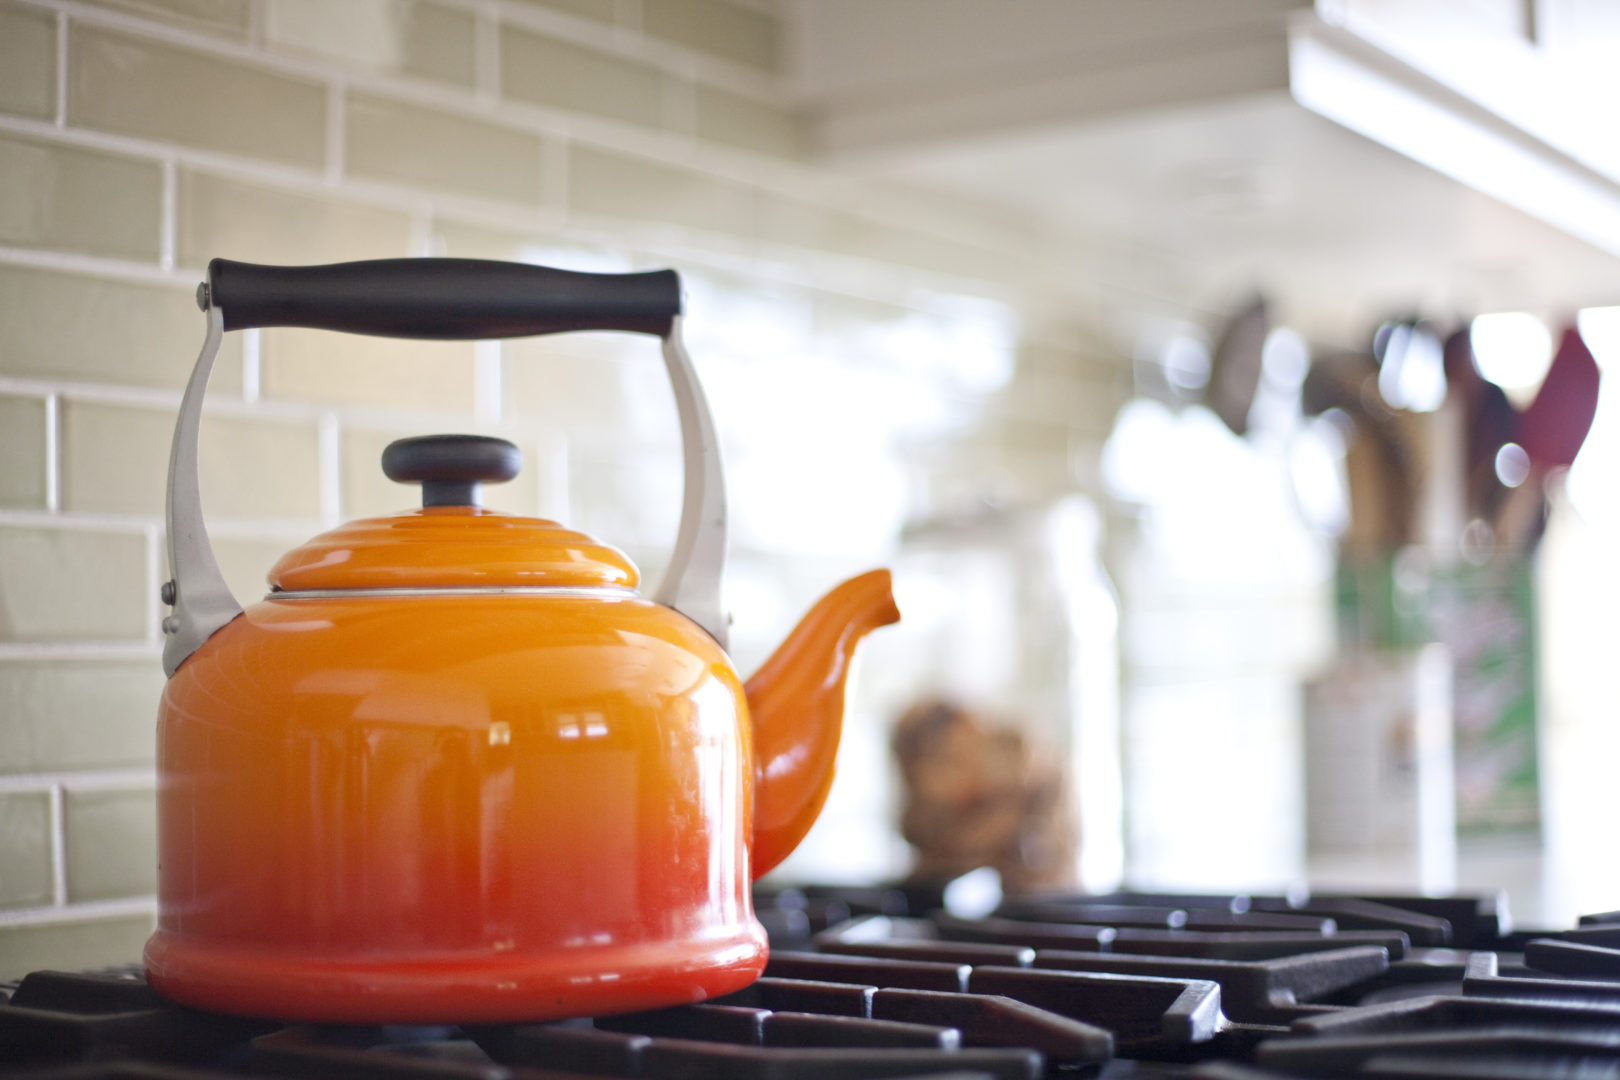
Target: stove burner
(875, 983)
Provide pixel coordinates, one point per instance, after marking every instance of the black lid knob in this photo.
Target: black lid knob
(450, 468)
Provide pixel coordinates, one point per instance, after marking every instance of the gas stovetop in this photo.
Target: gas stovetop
(869, 983)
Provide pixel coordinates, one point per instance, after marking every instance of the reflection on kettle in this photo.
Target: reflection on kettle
(454, 768)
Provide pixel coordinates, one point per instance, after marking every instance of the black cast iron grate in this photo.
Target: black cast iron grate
(881, 984)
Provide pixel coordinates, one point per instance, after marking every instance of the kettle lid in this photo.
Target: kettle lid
(451, 541)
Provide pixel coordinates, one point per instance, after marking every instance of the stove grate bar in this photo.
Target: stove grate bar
(993, 1020)
(804, 995)
(677, 1059)
(1573, 958)
(906, 974)
(1258, 991)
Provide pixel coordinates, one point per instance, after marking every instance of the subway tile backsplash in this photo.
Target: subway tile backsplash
(128, 84)
(67, 198)
(77, 716)
(823, 313)
(268, 224)
(103, 327)
(28, 62)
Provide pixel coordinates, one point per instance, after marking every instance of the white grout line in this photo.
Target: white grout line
(625, 40)
(169, 227)
(78, 650)
(53, 452)
(61, 69)
(330, 450)
(770, 175)
(767, 171)
(252, 340)
(80, 780)
(84, 522)
(94, 265)
(225, 528)
(441, 96)
(58, 826)
(361, 415)
(95, 909)
(487, 383)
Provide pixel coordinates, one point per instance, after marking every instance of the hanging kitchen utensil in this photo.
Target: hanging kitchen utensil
(1234, 368)
(1551, 432)
(454, 768)
(1378, 460)
(1490, 422)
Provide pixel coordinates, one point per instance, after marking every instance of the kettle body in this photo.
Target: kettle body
(454, 768)
(487, 807)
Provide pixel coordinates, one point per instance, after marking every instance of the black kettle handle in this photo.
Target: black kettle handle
(447, 299)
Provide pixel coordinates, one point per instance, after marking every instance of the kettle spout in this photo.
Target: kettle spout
(796, 702)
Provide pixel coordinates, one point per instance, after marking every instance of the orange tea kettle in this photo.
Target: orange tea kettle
(453, 768)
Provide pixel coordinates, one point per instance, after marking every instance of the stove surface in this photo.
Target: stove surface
(872, 983)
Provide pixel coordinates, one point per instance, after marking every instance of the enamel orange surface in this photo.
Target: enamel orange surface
(455, 809)
(797, 703)
(451, 545)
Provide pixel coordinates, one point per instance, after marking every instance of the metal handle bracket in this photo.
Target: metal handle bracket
(202, 601)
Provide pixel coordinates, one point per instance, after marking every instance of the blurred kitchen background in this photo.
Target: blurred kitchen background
(1167, 350)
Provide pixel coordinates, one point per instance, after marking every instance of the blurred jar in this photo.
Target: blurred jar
(1010, 626)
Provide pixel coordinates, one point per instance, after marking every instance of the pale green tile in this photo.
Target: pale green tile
(462, 241)
(366, 491)
(751, 125)
(390, 140)
(603, 387)
(797, 223)
(835, 316)
(111, 844)
(411, 37)
(68, 199)
(617, 185)
(22, 451)
(439, 43)
(27, 61)
(310, 365)
(228, 17)
(73, 946)
(729, 31)
(600, 10)
(70, 715)
(65, 326)
(936, 254)
(260, 468)
(236, 220)
(62, 585)
(25, 850)
(247, 563)
(135, 86)
(115, 460)
(546, 71)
